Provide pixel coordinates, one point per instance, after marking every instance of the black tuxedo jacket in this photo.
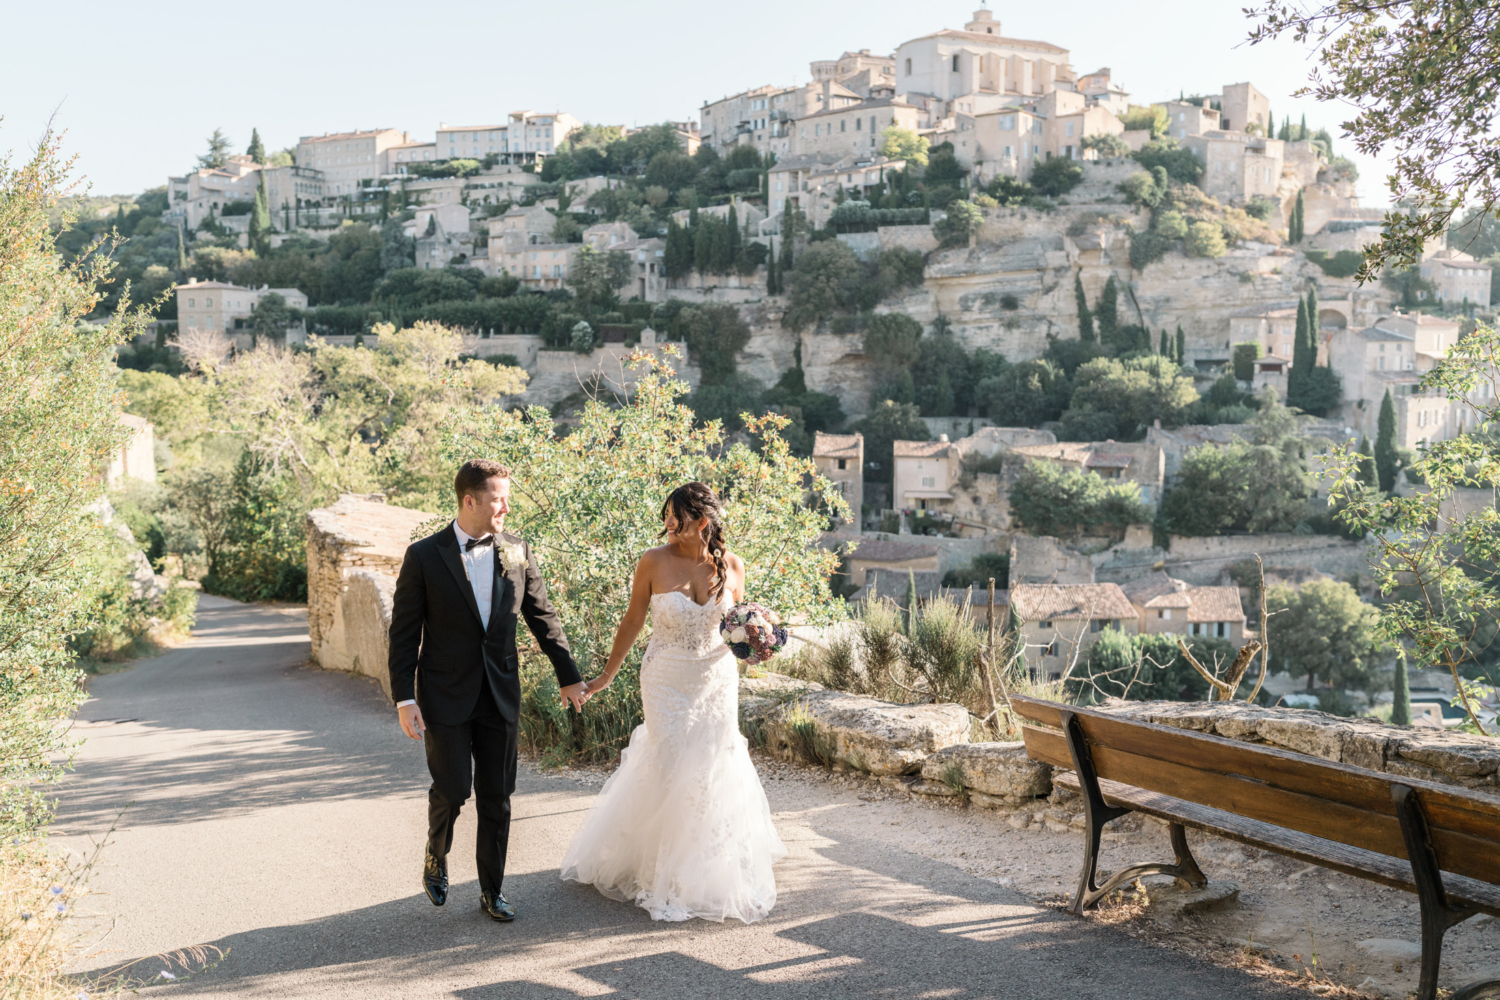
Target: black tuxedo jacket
(439, 646)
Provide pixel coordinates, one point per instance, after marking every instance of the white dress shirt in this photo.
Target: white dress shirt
(479, 564)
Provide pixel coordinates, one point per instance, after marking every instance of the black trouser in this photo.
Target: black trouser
(481, 751)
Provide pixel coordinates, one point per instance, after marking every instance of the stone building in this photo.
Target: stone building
(1458, 278)
(981, 63)
(924, 474)
(1135, 462)
(840, 458)
(859, 71)
(1392, 355)
(219, 305)
(1061, 621)
(354, 552)
(1166, 605)
(349, 160)
(888, 554)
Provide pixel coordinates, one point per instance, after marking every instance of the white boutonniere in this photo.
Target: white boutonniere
(512, 555)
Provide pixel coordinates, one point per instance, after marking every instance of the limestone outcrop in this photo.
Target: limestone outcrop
(1446, 758)
(1001, 770)
(867, 734)
(354, 551)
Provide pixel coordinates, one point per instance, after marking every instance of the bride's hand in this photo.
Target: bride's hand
(597, 684)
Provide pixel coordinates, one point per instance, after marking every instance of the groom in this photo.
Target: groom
(454, 670)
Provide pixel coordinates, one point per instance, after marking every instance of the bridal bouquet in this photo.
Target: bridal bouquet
(754, 633)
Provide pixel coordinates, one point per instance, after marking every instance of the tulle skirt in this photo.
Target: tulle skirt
(683, 828)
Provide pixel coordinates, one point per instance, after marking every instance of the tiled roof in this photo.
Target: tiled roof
(921, 449)
(837, 445)
(1105, 460)
(1046, 602)
(878, 102)
(213, 284)
(1067, 451)
(1374, 333)
(1149, 587)
(1214, 604)
(892, 584)
(977, 36)
(338, 136)
(888, 550)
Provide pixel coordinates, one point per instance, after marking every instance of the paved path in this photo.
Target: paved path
(275, 811)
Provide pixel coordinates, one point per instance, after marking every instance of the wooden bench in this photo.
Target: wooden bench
(1439, 842)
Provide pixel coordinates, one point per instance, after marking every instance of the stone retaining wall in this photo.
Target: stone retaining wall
(1447, 758)
(354, 551)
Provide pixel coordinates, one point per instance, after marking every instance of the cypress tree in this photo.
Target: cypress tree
(1085, 318)
(1367, 474)
(733, 234)
(908, 393)
(1314, 337)
(1297, 377)
(1385, 445)
(260, 220)
(773, 284)
(255, 150)
(181, 253)
(1401, 706)
(944, 405)
(1165, 347)
(721, 252)
(788, 234)
(1106, 313)
(1181, 344)
(1295, 225)
(693, 214)
(702, 245)
(1302, 132)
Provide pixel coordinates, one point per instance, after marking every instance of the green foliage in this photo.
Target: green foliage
(1323, 631)
(265, 553)
(1133, 393)
(218, 151)
(1152, 118)
(1206, 239)
(1343, 264)
(1256, 486)
(1144, 189)
(1261, 207)
(1143, 667)
(1011, 193)
(596, 277)
(886, 423)
(715, 336)
(1108, 145)
(1107, 312)
(589, 504)
(1179, 163)
(961, 224)
(1385, 445)
(1147, 247)
(1297, 224)
(1024, 394)
(58, 429)
(980, 570)
(1171, 225)
(897, 143)
(271, 316)
(1056, 177)
(1085, 317)
(827, 278)
(891, 341)
(1050, 501)
(1245, 356)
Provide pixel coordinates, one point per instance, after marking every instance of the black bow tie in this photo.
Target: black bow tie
(474, 542)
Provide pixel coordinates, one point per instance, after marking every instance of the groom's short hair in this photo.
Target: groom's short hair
(473, 476)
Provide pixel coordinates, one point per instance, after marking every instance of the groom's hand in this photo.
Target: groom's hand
(575, 695)
(411, 721)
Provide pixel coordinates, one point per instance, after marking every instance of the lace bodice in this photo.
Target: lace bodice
(680, 623)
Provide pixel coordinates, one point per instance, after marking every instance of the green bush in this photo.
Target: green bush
(1245, 356)
(1344, 264)
(1147, 247)
(265, 552)
(1051, 501)
(1179, 163)
(980, 570)
(1172, 225)
(1206, 239)
(1056, 177)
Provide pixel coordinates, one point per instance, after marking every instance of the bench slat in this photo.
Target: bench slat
(1241, 794)
(1301, 847)
(1446, 808)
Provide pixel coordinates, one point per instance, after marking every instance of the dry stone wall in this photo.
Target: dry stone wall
(354, 552)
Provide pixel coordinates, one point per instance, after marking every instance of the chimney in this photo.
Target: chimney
(942, 439)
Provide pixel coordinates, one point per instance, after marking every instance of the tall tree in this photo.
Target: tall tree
(1085, 317)
(733, 233)
(1366, 472)
(1314, 336)
(1297, 377)
(788, 234)
(260, 219)
(1294, 226)
(255, 150)
(218, 151)
(1106, 313)
(181, 253)
(773, 276)
(1181, 344)
(1385, 444)
(1165, 347)
(703, 246)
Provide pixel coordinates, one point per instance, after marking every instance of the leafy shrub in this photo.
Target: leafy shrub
(1056, 177)
(1245, 356)
(1147, 247)
(1261, 207)
(980, 570)
(962, 222)
(1051, 501)
(1343, 264)
(891, 341)
(1206, 239)
(1107, 145)
(265, 541)
(1171, 225)
(1179, 163)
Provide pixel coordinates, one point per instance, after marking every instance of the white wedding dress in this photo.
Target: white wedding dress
(683, 828)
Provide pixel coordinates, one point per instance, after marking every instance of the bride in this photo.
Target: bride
(682, 828)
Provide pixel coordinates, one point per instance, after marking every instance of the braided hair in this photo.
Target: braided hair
(692, 502)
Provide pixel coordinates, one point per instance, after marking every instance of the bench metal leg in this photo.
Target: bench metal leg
(1096, 813)
(1438, 914)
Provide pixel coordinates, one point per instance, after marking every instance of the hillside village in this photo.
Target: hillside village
(1010, 307)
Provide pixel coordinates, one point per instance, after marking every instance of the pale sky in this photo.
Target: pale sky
(139, 86)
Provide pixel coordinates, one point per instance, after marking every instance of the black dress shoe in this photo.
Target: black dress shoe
(497, 906)
(435, 879)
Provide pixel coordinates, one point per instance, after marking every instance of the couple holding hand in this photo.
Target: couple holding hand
(682, 828)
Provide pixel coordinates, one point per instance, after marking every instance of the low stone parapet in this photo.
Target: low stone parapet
(1000, 770)
(1446, 758)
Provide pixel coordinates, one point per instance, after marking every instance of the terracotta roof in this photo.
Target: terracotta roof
(888, 550)
(1214, 604)
(1373, 333)
(1067, 451)
(838, 445)
(1149, 587)
(1046, 602)
(921, 449)
(1105, 460)
(892, 584)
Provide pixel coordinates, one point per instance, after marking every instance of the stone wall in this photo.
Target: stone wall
(354, 551)
(557, 375)
(1447, 758)
(1203, 561)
